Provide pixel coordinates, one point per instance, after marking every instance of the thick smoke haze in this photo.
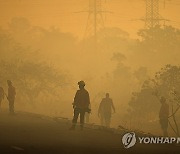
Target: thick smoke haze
(44, 53)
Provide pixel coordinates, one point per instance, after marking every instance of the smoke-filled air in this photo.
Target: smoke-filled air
(115, 63)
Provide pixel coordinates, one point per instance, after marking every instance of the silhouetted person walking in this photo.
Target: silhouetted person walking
(105, 110)
(80, 105)
(11, 96)
(163, 116)
(1, 96)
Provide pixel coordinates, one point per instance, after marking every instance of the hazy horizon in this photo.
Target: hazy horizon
(124, 14)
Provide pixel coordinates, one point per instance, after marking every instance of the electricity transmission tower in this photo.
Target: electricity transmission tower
(152, 17)
(95, 19)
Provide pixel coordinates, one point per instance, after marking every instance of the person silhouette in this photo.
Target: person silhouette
(11, 96)
(105, 110)
(163, 116)
(80, 105)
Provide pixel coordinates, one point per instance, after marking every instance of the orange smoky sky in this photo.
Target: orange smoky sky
(125, 14)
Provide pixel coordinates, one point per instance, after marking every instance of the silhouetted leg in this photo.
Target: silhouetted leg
(0, 104)
(82, 114)
(108, 121)
(102, 120)
(75, 118)
(11, 106)
(107, 118)
(165, 132)
(164, 126)
(87, 117)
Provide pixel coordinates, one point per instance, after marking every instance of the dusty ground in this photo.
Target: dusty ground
(31, 134)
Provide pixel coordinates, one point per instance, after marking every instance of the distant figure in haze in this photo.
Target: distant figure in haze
(80, 105)
(105, 110)
(1, 96)
(11, 96)
(163, 116)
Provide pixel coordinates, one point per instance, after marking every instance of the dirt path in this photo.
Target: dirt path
(30, 133)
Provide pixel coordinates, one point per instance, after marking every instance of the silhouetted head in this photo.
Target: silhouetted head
(9, 82)
(107, 95)
(81, 84)
(162, 100)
